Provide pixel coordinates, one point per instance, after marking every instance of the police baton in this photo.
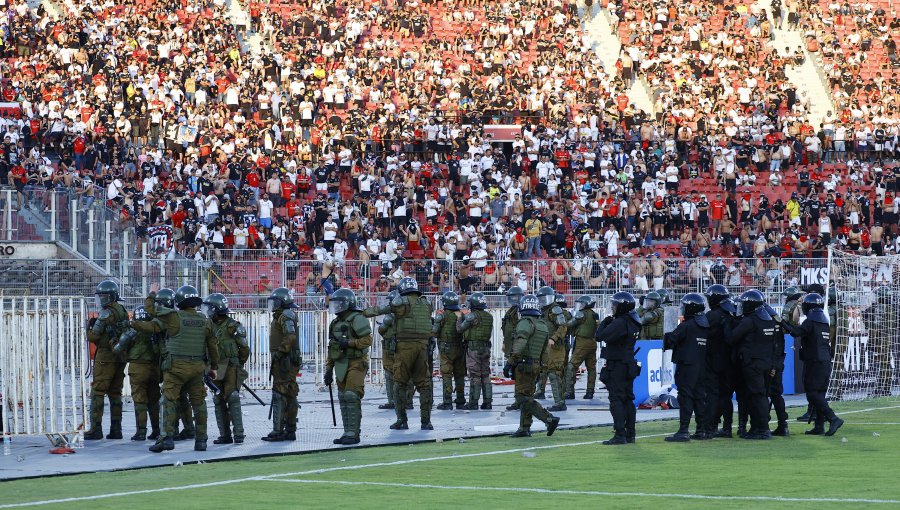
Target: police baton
(244, 385)
(331, 396)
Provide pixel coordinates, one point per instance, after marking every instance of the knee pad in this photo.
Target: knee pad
(350, 396)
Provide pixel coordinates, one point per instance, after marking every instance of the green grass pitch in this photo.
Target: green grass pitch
(856, 468)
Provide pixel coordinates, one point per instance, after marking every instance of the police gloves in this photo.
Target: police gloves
(509, 371)
(329, 378)
(344, 344)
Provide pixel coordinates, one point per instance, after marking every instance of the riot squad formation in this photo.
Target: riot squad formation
(177, 345)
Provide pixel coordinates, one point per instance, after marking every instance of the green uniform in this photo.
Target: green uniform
(787, 311)
(453, 358)
(583, 326)
(476, 328)
(529, 343)
(412, 314)
(388, 334)
(508, 326)
(144, 377)
(109, 369)
(652, 323)
(350, 365)
(231, 339)
(183, 404)
(190, 344)
(284, 350)
(555, 357)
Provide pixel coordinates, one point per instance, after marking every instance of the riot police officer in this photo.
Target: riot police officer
(755, 337)
(412, 313)
(792, 297)
(815, 350)
(109, 368)
(388, 333)
(620, 331)
(652, 316)
(476, 328)
(143, 375)
(718, 380)
(165, 298)
(529, 342)
(284, 350)
(508, 326)
(234, 351)
(190, 344)
(554, 361)
(452, 351)
(583, 325)
(349, 339)
(688, 343)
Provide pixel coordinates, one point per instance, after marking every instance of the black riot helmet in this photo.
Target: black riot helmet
(692, 304)
(750, 301)
(715, 294)
(622, 303)
(812, 302)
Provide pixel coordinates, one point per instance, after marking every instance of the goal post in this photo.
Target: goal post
(866, 325)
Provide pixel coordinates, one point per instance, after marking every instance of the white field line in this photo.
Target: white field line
(328, 470)
(666, 495)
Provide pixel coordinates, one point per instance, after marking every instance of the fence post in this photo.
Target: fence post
(91, 234)
(203, 275)
(162, 273)
(73, 229)
(8, 214)
(52, 216)
(144, 289)
(108, 245)
(124, 259)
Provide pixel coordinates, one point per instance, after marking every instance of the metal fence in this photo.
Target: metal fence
(249, 277)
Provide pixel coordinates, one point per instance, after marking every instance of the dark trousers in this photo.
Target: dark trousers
(756, 375)
(690, 396)
(776, 392)
(619, 382)
(711, 384)
(816, 375)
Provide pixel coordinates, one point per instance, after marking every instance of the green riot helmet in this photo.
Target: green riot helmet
(514, 295)
(546, 295)
(584, 302)
(187, 296)
(408, 285)
(341, 301)
(281, 298)
(140, 314)
(107, 293)
(664, 297)
(450, 301)
(165, 298)
(560, 299)
(652, 300)
(530, 306)
(477, 301)
(215, 304)
(792, 294)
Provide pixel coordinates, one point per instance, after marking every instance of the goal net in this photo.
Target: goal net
(866, 325)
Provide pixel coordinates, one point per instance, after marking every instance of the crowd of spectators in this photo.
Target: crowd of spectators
(358, 131)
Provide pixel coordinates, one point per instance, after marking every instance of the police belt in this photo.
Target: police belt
(188, 358)
(577, 338)
(452, 345)
(527, 361)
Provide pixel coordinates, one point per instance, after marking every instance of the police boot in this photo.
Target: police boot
(153, 411)
(140, 422)
(402, 396)
(559, 403)
(588, 395)
(521, 432)
(818, 429)
(682, 435)
(185, 434)
(390, 387)
(460, 401)
(515, 406)
(277, 433)
(742, 428)
(474, 394)
(236, 415)
(781, 430)
(808, 415)
(487, 390)
(834, 423)
(199, 445)
(570, 383)
(222, 423)
(115, 429)
(96, 431)
(352, 415)
(447, 403)
(342, 403)
(165, 444)
(724, 433)
(616, 440)
(552, 423)
(115, 418)
(426, 418)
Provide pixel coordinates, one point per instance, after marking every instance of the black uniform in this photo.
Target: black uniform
(814, 335)
(718, 380)
(689, 350)
(620, 334)
(755, 337)
(776, 384)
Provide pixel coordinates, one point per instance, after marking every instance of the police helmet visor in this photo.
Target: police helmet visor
(337, 306)
(514, 299)
(547, 299)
